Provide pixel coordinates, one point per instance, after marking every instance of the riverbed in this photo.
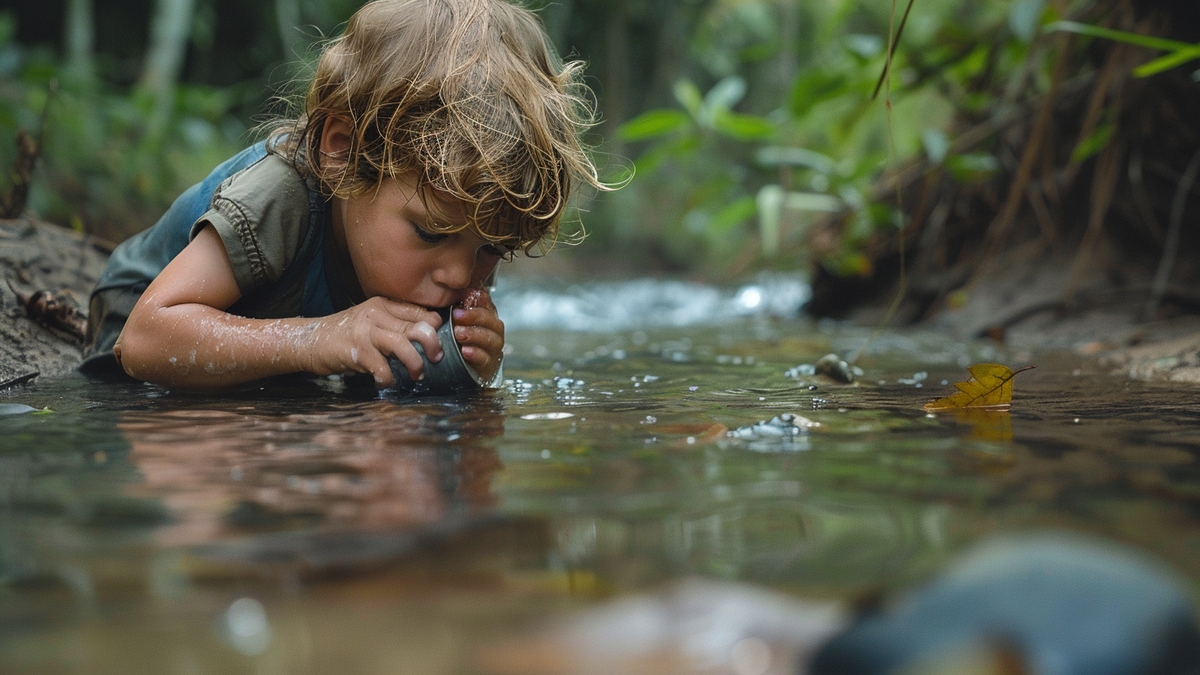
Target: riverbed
(648, 431)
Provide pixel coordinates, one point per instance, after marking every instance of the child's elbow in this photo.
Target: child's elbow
(130, 353)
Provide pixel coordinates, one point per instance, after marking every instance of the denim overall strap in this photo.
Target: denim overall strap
(317, 299)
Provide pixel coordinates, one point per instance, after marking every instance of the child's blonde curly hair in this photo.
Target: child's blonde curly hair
(466, 96)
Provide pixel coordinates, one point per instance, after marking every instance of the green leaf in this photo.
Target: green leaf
(1092, 144)
(739, 211)
(742, 127)
(769, 204)
(688, 95)
(813, 87)
(813, 201)
(652, 124)
(650, 161)
(773, 155)
(725, 94)
(971, 166)
(863, 45)
(1117, 35)
(1167, 62)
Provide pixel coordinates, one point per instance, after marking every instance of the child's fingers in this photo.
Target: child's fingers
(481, 338)
(401, 346)
(481, 361)
(482, 317)
(410, 313)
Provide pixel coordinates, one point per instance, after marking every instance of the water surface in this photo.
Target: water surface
(316, 527)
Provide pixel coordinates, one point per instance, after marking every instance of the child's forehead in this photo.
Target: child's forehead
(428, 202)
(442, 210)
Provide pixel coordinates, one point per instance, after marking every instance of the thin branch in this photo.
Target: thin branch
(1171, 247)
(887, 66)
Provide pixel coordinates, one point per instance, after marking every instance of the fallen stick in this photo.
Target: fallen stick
(55, 311)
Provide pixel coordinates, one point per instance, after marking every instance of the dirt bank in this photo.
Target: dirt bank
(38, 256)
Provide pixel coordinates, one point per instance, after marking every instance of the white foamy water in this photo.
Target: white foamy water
(645, 303)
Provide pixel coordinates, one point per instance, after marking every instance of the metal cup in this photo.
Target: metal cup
(451, 375)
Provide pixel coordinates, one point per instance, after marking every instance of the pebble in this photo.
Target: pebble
(834, 368)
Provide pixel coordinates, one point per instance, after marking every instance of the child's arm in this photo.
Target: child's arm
(179, 335)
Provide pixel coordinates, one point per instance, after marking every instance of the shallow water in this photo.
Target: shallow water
(319, 528)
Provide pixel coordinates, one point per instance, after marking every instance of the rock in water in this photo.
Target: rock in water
(16, 409)
(835, 368)
(1064, 605)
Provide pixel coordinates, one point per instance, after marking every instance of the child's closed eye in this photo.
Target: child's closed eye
(427, 236)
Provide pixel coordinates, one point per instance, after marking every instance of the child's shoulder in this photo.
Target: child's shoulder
(270, 179)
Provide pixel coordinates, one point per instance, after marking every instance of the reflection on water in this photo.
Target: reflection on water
(317, 529)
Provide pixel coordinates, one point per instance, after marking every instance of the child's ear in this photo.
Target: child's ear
(335, 140)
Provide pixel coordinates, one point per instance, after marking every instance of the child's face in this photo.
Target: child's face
(396, 256)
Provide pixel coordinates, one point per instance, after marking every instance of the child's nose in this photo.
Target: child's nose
(456, 273)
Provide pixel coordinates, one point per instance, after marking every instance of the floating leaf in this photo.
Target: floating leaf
(990, 387)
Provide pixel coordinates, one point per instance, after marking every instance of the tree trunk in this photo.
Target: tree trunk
(789, 29)
(287, 16)
(169, 34)
(557, 17)
(616, 71)
(80, 38)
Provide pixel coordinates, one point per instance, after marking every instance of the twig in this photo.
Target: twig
(887, 68)
(1171, 246)
(1104, 182)
(996, 235)
(20, 379)
(54, 311)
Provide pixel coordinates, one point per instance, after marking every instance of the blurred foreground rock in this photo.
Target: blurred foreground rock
(1031, 604)
(38, 256)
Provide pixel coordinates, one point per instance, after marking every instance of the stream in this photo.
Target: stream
(648, 431)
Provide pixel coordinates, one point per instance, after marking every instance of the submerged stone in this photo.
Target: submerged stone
(1063, 605)
(15, 409)
(834, 368)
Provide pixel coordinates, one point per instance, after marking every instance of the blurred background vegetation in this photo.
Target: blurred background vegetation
(749, 126)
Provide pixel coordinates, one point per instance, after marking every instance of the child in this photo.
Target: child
(438, 138)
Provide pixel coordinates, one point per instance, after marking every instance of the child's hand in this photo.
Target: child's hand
(480, 333)
(363, 337)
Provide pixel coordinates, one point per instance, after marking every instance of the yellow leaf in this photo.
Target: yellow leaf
(990, 387)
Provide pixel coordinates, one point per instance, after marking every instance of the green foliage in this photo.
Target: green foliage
(1180, 53)
(99, 171)
(738, 171)
(742, 185)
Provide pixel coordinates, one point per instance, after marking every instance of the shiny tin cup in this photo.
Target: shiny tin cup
(451, 375)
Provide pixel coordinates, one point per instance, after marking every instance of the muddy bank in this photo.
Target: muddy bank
(1039, 304)
(38, 256)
